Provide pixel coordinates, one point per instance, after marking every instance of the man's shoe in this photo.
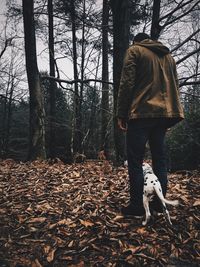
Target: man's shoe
(132, 210)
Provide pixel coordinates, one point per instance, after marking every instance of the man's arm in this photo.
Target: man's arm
(127, 84)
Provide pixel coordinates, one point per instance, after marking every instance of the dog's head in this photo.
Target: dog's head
(146, 168)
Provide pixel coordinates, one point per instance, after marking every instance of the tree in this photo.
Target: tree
(155, 27)
(105, 77)
(121, 27)
(52, 88)
(37, 130)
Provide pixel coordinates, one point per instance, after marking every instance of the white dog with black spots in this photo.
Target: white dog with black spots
(152, 186)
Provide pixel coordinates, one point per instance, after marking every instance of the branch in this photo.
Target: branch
(185, 93)
(189, 55)
(74, 81)
(7, 43)
(185, 41)
(189, 83)
(181, 16)
(7, 98)
(179, 6)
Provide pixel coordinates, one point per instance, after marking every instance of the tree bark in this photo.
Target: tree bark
(76, 132)
(52, 89)
(155, 26)
(105, 77)
(37, 129)
(121, 27)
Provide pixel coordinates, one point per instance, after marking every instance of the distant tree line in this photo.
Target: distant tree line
(44, 115)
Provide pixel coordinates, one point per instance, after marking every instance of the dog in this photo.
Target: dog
(152, 186)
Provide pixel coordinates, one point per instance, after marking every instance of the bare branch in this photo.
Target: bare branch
(185, 41)
(190, 94)
(188, 55)
(189, 83)
(179, 6)
(7, 43)
(75, 81)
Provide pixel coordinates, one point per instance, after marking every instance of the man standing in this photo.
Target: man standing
(148, 104)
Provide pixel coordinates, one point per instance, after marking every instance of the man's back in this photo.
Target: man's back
(149, 82)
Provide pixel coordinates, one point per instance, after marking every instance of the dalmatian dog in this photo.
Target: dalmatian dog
(151, 187)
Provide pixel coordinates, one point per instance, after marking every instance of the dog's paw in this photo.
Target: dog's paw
(144, 223)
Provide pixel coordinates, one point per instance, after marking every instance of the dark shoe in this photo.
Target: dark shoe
(132, 210)
(156, 205)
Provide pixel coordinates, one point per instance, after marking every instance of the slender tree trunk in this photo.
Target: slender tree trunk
(37, 130)
(52, 92)
(76, 132)
(9, 116)
(155, 27)
(121, 28)
(82, 77)
(105, 77)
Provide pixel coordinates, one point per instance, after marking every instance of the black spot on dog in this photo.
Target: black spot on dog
(151, 181)
(145, 183)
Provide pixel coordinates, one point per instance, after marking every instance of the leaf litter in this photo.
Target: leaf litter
(53, 214)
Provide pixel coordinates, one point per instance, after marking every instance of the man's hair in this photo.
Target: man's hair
(141, 36)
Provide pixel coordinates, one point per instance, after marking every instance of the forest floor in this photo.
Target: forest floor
(53, 214)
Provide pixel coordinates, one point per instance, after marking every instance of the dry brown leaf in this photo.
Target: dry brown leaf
(141, 230)
(196, 203)
(71, 244)
(3, 211)
(37, 220)
(118, 218)
(80, 264)
(76, 174)
(86, 223)
(36, 263)
(50, 256)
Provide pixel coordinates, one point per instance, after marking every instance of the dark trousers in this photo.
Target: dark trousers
(139, 132)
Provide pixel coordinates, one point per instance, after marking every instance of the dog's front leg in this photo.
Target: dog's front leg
(147, 210)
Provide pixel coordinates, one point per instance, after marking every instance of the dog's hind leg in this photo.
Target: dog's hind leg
(147, 210)
(166, 213)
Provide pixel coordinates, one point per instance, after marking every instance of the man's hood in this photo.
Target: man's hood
(155, 46)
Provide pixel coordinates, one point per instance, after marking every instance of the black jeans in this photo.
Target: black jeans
(139, 132)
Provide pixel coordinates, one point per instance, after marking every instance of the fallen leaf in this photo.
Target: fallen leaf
(86, 223)
(36, 263)
(196, 203)
(50, 256)
(37, 220)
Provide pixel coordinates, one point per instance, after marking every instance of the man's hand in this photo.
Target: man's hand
(122, 124)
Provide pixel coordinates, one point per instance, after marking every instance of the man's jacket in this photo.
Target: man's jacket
(149, 83)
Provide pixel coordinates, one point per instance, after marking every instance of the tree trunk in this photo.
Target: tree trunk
(82, 77)
(52, 89)
(105, 77)
(76, 132)
(9, 116)
(155, 27)
(37, 130)
(121, 27)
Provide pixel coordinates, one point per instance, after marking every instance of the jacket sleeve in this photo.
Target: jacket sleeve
(176, 76)
(127, 84)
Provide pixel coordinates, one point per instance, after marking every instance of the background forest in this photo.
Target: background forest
(60, 65)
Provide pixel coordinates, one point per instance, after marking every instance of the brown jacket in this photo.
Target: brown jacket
(149, 83)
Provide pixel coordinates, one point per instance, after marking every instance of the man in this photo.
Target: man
(148, 104)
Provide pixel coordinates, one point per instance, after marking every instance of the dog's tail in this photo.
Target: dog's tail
(160, 195)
